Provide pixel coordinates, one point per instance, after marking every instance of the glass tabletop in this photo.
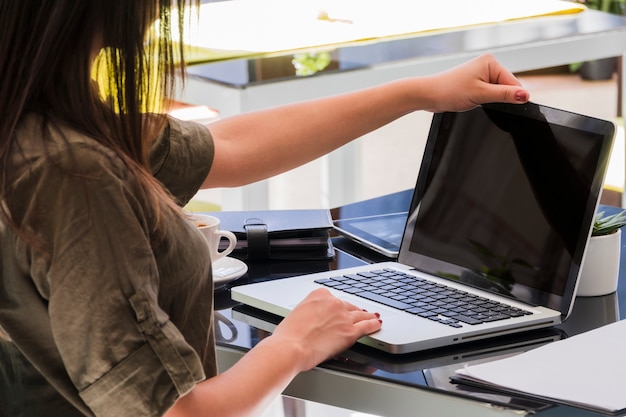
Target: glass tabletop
(264, 68)
(241, 327)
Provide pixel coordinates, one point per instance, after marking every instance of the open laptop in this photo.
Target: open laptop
(496, 232)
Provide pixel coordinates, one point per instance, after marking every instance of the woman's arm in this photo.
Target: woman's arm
(254, 146)
(320, 327)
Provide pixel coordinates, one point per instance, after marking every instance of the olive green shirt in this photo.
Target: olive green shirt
(114, 324)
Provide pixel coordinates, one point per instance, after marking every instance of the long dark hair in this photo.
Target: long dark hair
(46, 52)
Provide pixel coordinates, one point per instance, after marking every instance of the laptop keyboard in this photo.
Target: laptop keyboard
(434, 301)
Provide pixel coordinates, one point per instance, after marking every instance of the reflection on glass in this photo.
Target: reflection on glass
(589, 313)
(309, 63)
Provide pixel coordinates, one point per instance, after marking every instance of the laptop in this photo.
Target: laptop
(495, 234)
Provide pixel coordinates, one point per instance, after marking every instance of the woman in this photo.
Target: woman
(105, 289)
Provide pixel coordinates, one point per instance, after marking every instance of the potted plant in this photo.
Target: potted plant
(604, 224)
(600, 269)
(608, 6)
(599, 69)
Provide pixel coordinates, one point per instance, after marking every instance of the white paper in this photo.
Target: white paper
(588, 369)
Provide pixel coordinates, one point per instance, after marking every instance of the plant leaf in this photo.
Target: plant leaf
(604, 225)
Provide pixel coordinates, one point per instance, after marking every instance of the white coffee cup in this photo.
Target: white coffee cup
(210, 228)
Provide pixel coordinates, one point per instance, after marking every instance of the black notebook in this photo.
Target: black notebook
(280, 234)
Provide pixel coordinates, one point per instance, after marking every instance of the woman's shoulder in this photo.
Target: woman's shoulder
(40, 144)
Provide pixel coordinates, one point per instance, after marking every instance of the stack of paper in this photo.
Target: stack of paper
(586, 371)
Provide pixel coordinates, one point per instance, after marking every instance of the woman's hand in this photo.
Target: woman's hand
(322, 326)
(481, 80)
(318, 328)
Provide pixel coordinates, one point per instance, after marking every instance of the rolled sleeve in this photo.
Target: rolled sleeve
(181, 158)
(140, 374)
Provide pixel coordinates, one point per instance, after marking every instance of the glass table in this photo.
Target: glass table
(369, 381)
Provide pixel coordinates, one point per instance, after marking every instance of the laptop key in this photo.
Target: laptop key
(513, 312)
(340, 278)
(398, 297)
(496, 317)
(385, 300)
(355, 277)
(466, 319)
(329, 282)
(342, 287)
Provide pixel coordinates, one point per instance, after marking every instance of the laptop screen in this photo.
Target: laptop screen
(505, 199)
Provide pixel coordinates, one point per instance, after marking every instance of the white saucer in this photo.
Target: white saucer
(226, 270)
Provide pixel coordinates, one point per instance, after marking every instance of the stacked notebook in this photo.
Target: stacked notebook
(280, 234)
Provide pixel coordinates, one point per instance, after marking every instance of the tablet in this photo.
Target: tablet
(381, 233)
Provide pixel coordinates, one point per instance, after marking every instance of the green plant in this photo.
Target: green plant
(608, 6)
(310, 63)
(607, 224)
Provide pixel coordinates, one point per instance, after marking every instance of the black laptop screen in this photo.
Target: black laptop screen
(505, 199)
